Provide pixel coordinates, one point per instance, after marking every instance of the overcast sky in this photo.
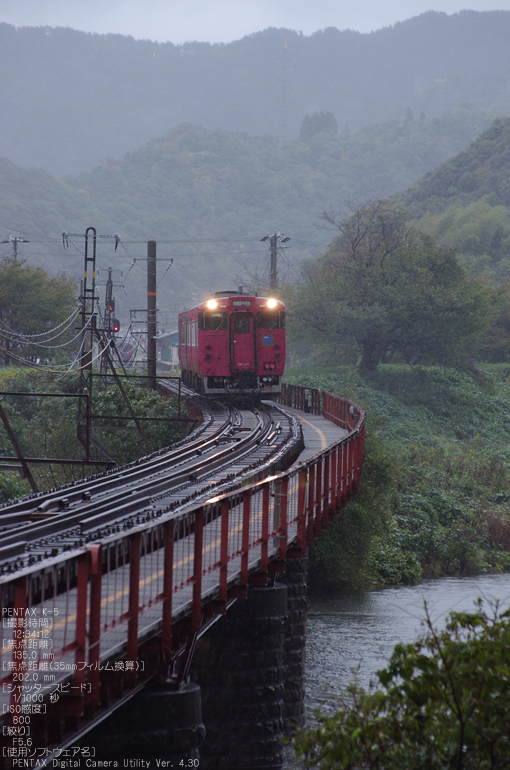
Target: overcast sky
(223, 20)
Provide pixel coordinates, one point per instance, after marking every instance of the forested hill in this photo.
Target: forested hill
(481, 170)
(71, 99)
(465, 203)
(208, 197)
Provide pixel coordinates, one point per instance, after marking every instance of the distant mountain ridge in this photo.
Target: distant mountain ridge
(72, 100)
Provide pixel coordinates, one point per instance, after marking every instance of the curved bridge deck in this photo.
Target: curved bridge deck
(318, 433)
(84, 630)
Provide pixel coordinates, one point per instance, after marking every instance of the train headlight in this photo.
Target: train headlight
(211, 304)
(271, 303)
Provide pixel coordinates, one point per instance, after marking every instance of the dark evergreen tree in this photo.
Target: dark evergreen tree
(319, 122)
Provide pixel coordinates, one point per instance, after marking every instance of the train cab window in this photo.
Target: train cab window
(271, 319)
(242, 323)
(212, 321)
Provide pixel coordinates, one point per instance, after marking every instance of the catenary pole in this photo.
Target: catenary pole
(151, 313)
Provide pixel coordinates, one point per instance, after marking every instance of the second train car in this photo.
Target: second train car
(233, 344)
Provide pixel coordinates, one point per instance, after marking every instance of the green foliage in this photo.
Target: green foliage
(442, 703)
(384, 290)
(10, 487)
(480, 232)
(344, 552)
(145, 403)
(477, 229)
(32, 304)
(477, 173)
(435, 492)
(47, 427)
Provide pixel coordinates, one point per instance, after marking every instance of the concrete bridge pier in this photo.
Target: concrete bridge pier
(251, 668)
(166, 723)
(295, 578)
(161, 722)
(240, 665)
(248, 675)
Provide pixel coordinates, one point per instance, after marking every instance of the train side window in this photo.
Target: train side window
(242, 324)
(267, 319)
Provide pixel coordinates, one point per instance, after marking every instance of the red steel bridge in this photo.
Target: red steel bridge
(85, 630)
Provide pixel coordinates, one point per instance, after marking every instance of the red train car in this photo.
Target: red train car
(233, 344)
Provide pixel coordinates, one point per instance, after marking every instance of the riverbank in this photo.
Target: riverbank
(435, 494)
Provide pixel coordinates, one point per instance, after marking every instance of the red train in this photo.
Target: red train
(233, 344)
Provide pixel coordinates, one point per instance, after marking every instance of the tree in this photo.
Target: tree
(318, 122)
(384, 290)
(443, 704)
(31, 303)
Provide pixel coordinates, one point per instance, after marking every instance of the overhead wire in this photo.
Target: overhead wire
(69, 318)
(41, 368)
(38, 238)
(68, 368)
(34, 340)
(20, 339)
(43, 346)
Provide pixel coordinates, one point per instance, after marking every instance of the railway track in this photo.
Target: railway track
(231, 444)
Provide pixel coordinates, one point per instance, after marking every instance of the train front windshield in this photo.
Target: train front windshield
(212, 321)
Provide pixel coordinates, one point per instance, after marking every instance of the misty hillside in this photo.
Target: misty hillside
(73, 100)
(465, 203)
(208, 197)
(481, 170)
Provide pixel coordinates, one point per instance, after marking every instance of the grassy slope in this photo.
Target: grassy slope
(435, 497)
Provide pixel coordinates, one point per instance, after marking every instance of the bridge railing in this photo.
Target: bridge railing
(340, 411)
(76, 625)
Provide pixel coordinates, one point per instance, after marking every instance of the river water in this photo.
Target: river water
(354, 634)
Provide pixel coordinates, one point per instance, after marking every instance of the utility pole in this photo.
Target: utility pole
(14, 239)
(274, 247)
(88, 325)
(151, 313)
(273, 270)
(109, 307)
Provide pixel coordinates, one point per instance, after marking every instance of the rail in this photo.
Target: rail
(87, 628)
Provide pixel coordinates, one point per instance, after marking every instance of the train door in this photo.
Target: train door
(242, 342)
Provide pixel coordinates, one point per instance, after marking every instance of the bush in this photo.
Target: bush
(435, 491)
(442, 702)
